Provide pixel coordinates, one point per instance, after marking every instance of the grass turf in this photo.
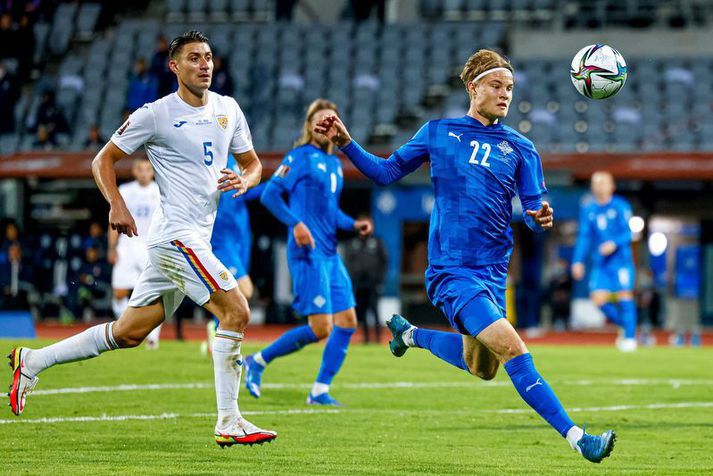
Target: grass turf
(403, 416)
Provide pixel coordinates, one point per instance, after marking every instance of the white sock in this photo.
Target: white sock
(407, 336)
(227, 365)
(154, 335)
(82, 346)
(319, 389)
(260, 359)
(118, 306)
(574, 434)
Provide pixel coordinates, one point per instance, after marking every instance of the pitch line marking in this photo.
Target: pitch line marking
(161, 416)
(675, 383)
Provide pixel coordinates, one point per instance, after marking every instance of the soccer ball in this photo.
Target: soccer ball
(598, 71)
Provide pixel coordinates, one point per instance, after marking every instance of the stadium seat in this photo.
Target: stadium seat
(87, 19)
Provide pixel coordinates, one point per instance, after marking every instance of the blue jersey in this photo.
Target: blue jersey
(602, 223)
(476, 171)
(232, 221)
(312, 180)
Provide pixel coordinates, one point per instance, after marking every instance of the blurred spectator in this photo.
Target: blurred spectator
(559, 294)
(94, 139)
(9, 93)
(284, 9)
(43, 139)
(365, 258)
(13, 271)
(222, 82)
(50, 116)
(143, 87)
(25, 47)
(159, 68)
(8, 37)
(96, 239)
(362, 9)
(88, 284)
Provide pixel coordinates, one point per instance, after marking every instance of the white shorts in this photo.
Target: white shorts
(180, 268)
(131, 259)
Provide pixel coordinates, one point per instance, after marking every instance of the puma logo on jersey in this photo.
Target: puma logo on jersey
(179, 124)
(457, 136)
(322, 167)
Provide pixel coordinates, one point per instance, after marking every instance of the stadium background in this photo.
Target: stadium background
(71, 71)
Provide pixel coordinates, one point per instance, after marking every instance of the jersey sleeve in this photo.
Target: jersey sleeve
(402, 162)
(242, 139)
(584, 236)
(344, 221)
(530, 182)
(138, 129)
(623, 234)
(290, 171)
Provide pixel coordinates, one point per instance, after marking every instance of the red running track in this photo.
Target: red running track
(266, 333)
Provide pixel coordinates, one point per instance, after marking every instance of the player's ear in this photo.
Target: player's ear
(173, 66)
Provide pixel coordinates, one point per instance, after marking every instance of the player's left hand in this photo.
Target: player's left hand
(607, 248)
(364, 227)
(544, 216)
(232, 181)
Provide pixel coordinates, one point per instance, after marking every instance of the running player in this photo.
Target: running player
(312, 179)
(232, 242)
(129, 256)
(477, 166)
(604, 234)
(188, 136)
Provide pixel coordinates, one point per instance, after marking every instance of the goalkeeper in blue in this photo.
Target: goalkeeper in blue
(311, 178)
(477, 166)
(605, 237)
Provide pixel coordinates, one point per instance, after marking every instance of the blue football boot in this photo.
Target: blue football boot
(253, 376)
(398, 325)
(323, 399)
(597, 447)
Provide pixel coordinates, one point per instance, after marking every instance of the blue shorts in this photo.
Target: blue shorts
(235, 258)
(453, 288)
(320, 286)
(612, 277)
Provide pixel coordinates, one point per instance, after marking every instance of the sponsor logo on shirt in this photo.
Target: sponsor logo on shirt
(322, 166)
(222, 120)
(457, 136)
(123, 127)
(282, 171)
(179, 124)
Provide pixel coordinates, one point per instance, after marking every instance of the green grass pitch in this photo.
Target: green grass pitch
(413, 415)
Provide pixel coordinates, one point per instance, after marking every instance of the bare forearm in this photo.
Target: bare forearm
(112, 238)
(105, 176)
(252, 172)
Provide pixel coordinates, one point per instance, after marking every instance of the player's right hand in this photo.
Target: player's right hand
(577, 271)
(121, 221)
(335, 130)
(303, 237)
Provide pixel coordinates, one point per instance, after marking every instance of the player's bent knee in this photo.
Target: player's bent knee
(485, 374)
(322, 330)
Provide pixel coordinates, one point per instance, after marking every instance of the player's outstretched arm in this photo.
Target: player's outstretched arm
(383, 172)
(120, 218)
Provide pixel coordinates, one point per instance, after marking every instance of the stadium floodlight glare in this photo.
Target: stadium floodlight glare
(657, 243)
(636, 224)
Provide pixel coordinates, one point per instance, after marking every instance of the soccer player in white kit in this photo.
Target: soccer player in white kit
(129, 256)
(187, 136)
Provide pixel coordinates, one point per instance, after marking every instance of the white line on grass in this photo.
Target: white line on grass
(466, 383)
(166, 416)
(161, 416)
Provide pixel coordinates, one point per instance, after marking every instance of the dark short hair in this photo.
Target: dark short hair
(193, 36)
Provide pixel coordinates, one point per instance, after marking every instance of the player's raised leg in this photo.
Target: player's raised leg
(506, 344)
(335, 352)
(129, 331)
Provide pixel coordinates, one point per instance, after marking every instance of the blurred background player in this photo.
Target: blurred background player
(605, 236)
(232, 240)
(365, 258)
(311, 177)
(129, 256)
(193, 121)
(477, 166)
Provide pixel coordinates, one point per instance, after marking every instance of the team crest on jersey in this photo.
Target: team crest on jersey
(504, 147)
(282, 171)
(222, 120)
(223, 275)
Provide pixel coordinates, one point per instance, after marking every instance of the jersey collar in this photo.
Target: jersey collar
(474, 121)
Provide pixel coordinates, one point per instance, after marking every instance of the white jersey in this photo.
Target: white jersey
(187, 146)
(142, 202)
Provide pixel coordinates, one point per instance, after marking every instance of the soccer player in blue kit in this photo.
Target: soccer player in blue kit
(604, 234)
(477, 165)
(312, 178)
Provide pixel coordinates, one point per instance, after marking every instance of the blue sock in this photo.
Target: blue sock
(334, 353)
(291, 341)
(611, 310)
(537, 393)
(446, 346)
(628, 318)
